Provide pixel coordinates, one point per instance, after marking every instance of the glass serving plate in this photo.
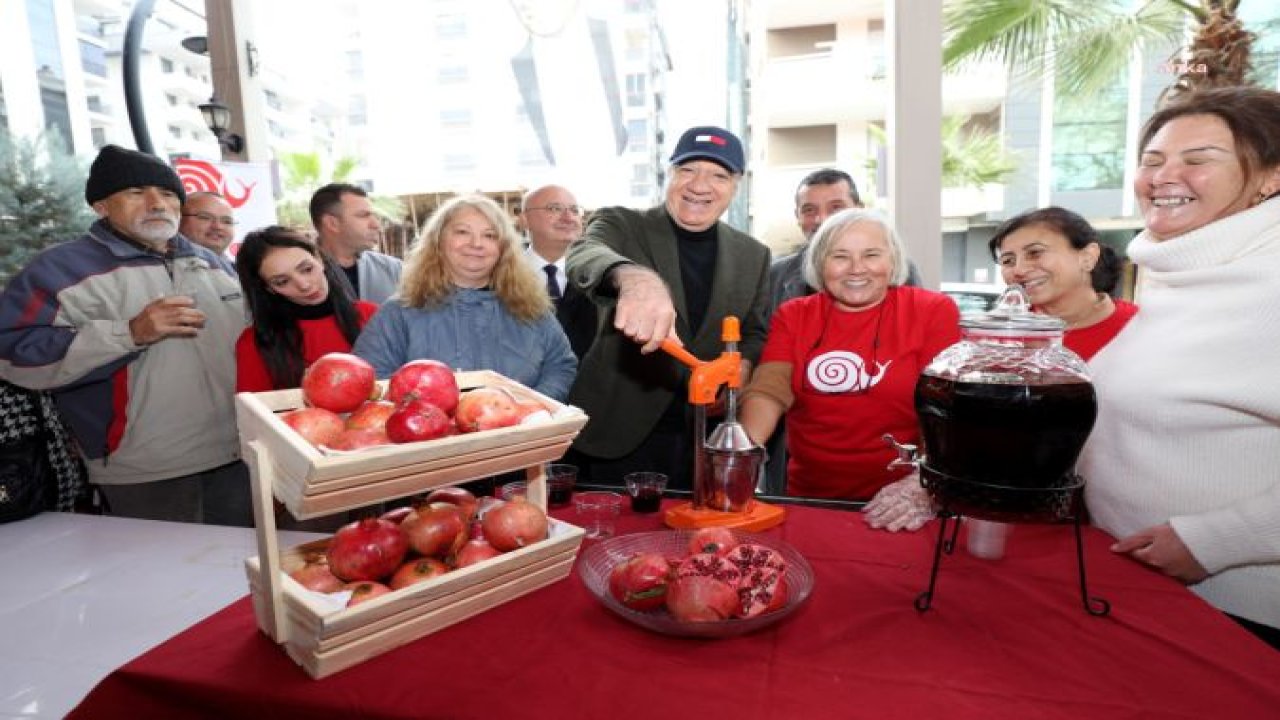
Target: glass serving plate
(598, 560)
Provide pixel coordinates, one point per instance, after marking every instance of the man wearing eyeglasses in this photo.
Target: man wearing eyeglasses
(207, 220)
(672, 271)
(552, 218)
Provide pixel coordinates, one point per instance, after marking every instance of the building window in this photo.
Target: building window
(175, 132)
(455, 119)
(171, 99)
(94, 102)
(166, 65)
(99, 135)
(635, 90)
(453, 74)
(1088, 141)
(273, 100)
(458, 163)
(641, 180)
(637, 135)
(451, 27)
(357, 110)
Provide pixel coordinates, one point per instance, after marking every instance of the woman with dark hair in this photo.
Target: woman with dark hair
(1181, 464)
(1056, 256)
(300, 306)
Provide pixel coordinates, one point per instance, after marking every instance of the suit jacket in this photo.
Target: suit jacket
(379, 276)
(625, 393)
(577, 315)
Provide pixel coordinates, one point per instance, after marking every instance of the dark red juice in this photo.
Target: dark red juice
(1026, 436)
(646, 500)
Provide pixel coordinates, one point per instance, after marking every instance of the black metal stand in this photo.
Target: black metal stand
(1095, 606)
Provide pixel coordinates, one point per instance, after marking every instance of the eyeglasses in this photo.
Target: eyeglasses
(557, 208)
(206, 217)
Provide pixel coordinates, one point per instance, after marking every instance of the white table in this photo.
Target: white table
(82, 595)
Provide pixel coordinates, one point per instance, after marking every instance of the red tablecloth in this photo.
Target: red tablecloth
(1005, 639)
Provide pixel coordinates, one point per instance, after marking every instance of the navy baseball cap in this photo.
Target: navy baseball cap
(710, 143)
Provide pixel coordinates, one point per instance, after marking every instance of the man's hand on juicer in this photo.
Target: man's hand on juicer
(645, 312)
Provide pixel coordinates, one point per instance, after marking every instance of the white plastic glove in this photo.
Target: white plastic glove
(900, 505)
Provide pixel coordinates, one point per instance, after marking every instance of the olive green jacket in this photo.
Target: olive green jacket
(624, 392)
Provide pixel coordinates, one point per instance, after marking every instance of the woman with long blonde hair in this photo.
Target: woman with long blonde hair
(468, 299)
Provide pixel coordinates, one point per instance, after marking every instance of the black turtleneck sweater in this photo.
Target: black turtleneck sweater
(697, 250)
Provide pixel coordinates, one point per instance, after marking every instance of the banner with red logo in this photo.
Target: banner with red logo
(247, 188)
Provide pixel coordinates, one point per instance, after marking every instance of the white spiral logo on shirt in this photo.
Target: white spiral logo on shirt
(841, 371)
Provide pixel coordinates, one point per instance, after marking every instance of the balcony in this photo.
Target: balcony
(796, 90)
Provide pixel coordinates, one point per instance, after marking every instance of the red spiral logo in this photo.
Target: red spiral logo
(199, 176)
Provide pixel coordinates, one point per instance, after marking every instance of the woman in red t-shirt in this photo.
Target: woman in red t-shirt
(842, 364)
(300, 307)
(1067, 272)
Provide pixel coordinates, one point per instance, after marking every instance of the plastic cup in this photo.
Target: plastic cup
(987, 538)
(597, 510)
(645, 489)
(561, 479)
(513, 490)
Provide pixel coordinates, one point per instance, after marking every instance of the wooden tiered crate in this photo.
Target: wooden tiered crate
(311, 483)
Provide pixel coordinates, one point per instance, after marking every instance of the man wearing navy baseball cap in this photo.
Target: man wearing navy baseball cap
(670, 271)
(131, 328)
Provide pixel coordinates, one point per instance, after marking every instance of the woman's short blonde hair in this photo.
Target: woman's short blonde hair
(816, 254)
(425, 281)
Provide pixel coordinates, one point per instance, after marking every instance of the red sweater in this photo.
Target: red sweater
(833, 437)
(1087, 341)
(319, 337)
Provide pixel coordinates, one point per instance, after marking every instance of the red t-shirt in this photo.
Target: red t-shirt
(319, 337)
(1087, 341)
(854, 377)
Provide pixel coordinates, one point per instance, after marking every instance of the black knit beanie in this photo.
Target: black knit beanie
(117, 169)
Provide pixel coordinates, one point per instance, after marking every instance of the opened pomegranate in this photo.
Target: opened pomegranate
(417, 420)
(435, 530)
(316, 575)
(372, 414)
(474, 551)
(364, 591)
(701, 598)
(749, 556)
(640, 582)
(429, 380)
(514, 524)
(416, 571)
(316, 425)
(709, 565)
(339, 382)
(367, 549)
(359, 439)
(486, 408)
(758, 589)
(718, 540)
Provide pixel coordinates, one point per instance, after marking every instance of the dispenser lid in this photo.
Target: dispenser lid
(1013, 312)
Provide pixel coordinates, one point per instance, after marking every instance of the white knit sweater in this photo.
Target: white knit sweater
(1188, 424)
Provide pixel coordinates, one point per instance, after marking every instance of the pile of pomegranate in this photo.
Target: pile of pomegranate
(718, 579)
(449, 529)
(346, 411)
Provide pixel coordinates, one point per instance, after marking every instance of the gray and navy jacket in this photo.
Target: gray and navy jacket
(140, 414)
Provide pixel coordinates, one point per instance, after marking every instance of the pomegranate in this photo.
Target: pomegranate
(416, 421)
(429, 380)
(758, 590)
(435, 529)
(640, 582)
(316, 425)
(367, 549)
(459, 496)
(339, 382)
(749, 556)
(372, 414)
(315, 575)
(486, 408)
(474, 551)
(416, 571)
(364, 591)
(718, 540)
(359, 439)
(514, 524)
(781, 594)
(701, 598)
(396, 515)
(709, 565)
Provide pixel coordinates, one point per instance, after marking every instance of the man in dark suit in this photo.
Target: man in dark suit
(670, 271)
(552, 219)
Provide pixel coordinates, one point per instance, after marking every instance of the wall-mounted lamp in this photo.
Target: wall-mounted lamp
(218, 117)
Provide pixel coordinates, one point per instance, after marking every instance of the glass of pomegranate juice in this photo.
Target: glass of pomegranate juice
(645, 489)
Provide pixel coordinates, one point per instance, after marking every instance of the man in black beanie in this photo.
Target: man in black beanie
(132, 328)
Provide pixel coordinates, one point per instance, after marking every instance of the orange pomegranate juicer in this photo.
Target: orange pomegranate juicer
(726, 464)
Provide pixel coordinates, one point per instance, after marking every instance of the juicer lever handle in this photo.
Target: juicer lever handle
(908, 455)
(673, 348)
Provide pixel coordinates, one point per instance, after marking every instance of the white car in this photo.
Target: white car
(973, 298)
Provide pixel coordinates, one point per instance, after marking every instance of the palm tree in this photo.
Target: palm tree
(1087, 44)
(304, 172)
